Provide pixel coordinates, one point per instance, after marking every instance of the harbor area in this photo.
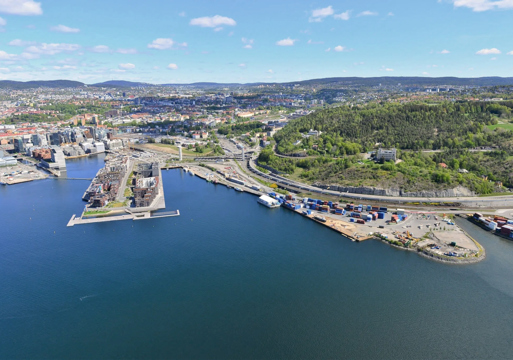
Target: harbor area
(430, 234)
(20, 173)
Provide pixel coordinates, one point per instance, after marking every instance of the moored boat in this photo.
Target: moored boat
(268, 201)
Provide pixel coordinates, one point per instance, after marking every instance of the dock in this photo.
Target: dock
(130, 216)
(338, 226)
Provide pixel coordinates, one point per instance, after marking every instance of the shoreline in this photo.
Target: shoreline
(359, 238)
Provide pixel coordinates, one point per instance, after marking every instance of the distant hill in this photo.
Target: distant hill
(374, 81)
(20, 85)
(408, 81)
(411, 81)
(121, 83)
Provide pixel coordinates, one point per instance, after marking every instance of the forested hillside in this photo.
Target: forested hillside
(348, 130)
(454, 130)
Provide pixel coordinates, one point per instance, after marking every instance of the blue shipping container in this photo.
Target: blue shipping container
(381, 215)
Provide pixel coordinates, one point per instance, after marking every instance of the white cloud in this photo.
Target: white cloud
(248, 43)
(5, 70)
(20, 7)
(242, 66)
(64, 29)
(118, 70)
(213, 21)
(339, 48)
(286, 42)
(2, 22)
(181, 14)
(311, 42)
(156, 68)
(127, 51)
(492, 51)
(367, 13)
(51, 49)
(5, 56)
(484, 5)
(172, 67)
(328, 49)
(390, 14)
(218, 29)
(494, 58)
(100, 49)
(444, 51)
(342, 16)
(18, 42)
(270, 71)
(388, 69)
(163, 44)
(319, 14)
(425, 73)
(29, 56)
(65, 67)
(510, 53)
(126, 66)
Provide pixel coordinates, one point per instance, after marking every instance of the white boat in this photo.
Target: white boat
(239, 189)
(268, 201)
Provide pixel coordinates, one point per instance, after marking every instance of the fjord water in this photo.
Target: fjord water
(232, 279)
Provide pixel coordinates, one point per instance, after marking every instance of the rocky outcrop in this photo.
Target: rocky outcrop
(458, 191)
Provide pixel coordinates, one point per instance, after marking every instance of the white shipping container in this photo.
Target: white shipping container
(492, 225)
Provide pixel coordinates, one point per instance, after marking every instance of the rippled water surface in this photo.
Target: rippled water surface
(230, 278)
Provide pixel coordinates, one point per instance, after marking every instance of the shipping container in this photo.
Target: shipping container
(351, 220)
(360, 221)
(375, 208)
(369, 208)
(383, 209)
(492, 225)
(381, 215)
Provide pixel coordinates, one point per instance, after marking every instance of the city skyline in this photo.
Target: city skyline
(245, 42)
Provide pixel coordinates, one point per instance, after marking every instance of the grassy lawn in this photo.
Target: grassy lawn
(502, 126)
(99, 212)
(174, 149)
(496, 194)
(115, 204)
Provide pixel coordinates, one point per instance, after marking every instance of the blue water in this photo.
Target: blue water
(232, 279)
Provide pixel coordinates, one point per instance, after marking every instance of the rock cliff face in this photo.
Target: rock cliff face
(458, 191)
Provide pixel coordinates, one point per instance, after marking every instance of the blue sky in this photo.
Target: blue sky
(245, 41)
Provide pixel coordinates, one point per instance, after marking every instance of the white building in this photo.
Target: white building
(386, 155)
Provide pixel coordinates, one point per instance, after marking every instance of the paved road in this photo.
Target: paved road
(492, 202)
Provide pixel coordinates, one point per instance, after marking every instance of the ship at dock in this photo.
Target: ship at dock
(268, 201)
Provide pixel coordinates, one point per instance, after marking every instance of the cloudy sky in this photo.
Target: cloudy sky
(167, 41)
